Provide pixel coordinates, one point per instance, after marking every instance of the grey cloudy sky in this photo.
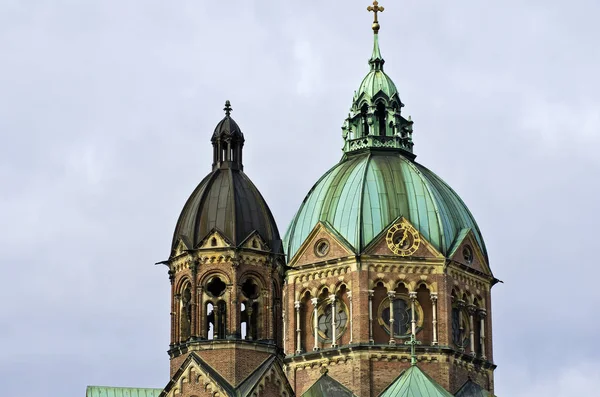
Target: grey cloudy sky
(107, 107)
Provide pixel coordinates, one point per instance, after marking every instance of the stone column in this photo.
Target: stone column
(391, 297)
(194, 319)
(413, 318)
(249, 322)
(200, 321)
(332, 298)
(283, 329)
(371, 292)
(460, 305)
(173, 307)
(472, 309)
(315, 302)
(350, 301)
(233, 318)
(434, 297)
(298, 330)
(262, 332)
(482, 314)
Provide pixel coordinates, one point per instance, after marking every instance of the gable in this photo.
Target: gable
(255, 242)
(322, 244)
(327, 386)
(381, 246)
(466, 246)
(195, 375)
(266, 381)
(214, 239)
(472, 389)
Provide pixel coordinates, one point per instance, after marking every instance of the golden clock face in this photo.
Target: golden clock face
(403, 239)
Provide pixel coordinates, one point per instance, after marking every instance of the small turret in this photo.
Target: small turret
(375, 119)
(227, 142)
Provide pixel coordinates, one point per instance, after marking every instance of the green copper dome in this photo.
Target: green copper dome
(364, 193)
(377, 181)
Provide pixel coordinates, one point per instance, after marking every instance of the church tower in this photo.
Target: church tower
(382, 251)
(226, 270)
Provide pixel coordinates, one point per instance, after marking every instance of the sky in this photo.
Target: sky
(107, 108)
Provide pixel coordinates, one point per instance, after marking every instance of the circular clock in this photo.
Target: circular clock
(403, 239)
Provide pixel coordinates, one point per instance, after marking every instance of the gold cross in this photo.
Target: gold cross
(375, 8)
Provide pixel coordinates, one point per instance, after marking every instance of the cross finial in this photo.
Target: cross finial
(375, 8)
(227, 108)
(412, 342)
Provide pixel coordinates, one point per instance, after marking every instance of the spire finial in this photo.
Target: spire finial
(227, 108)
(375, 8)
(413, 354)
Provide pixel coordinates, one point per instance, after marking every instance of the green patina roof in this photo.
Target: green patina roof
(415, 383)
(104, 391)
(363, 194)
(472, 389)
(326, 386)
(376, 81)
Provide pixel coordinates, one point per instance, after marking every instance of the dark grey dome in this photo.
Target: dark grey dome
(227, 128)
(227, 201)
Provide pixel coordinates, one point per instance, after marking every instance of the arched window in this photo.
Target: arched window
(380, 114)
(250, 313)
(460, 324)
(402, 315)
(330, 315)
(244, 321)
(210, 321)
(364, 120)
(185, 314)
(216, 316)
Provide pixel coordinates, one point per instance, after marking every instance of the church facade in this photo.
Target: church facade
(380, 286)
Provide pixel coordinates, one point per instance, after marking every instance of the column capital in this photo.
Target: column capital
(314, 301)
(412, 295)
(433, 296)
(332, 298)
(349, 293)
(371, 293)
(391, 294)
(471, 308)
(460, 303)
(482, 313)
(297, 305)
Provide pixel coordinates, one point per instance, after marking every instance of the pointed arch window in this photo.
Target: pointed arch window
(250, 310)
(380, 114)
(216, 315)
(364, 119)
(185, 313)
(460, 325)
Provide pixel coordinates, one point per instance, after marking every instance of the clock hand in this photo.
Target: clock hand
(404, 237)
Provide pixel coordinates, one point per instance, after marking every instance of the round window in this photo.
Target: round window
(467, 254)
(402, 316)
(326, 322)
(322, 248)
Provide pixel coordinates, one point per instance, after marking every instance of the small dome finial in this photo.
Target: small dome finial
(227, 108)
(375, 8)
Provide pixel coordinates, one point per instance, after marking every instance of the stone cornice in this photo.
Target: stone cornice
(199, 345)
